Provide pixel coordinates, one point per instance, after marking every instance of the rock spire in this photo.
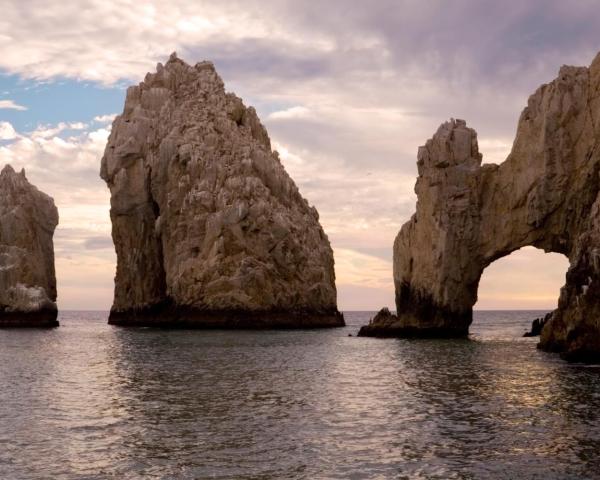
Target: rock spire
(28, 218)
(209, 229)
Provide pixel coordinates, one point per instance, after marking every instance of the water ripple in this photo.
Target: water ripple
(92, 401)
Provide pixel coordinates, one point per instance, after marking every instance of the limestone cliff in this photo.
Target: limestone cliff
(28, 218)
(209, 229)
(545, 194)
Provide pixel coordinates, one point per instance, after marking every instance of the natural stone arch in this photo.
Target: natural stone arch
(545, 194)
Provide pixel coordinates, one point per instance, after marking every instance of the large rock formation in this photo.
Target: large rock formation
(28, 218)
(545, 194)
(209, 229)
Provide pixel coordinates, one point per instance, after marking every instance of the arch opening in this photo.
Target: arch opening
(526, 279)
(516, 289)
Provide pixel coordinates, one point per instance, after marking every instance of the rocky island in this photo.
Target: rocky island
(28, 218)
(209, 229)
(546, 194)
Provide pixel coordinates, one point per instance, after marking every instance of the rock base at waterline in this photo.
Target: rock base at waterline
(39, 319)
(169, 316)
(387, 325)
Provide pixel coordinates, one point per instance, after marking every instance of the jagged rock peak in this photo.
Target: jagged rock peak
(28, 218)
(208, 227)
(7, 170)
(454, 143)
(546, 194)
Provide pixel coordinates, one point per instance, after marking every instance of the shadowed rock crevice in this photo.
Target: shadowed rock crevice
(537, 325)
(468, 215)
(28, 218)
(209, 229)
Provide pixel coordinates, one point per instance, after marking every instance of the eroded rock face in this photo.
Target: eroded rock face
(545, 194)
(28, 218)
(209, 229)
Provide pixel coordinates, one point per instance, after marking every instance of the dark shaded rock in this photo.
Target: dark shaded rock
(170, 315)
(387, 325)
(44, 318)
(537, 325)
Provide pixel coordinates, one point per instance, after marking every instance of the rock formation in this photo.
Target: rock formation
(28, 218)
(381, 325)
(209, 229)
(537, 325)
(545, 194)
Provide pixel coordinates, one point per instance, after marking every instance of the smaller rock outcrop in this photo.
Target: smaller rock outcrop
(28, 218)
(537, 325)
(381, 325)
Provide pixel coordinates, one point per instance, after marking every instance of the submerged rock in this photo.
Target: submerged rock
(209, 229)
(28, 218)
(545, 194)
(537, 325)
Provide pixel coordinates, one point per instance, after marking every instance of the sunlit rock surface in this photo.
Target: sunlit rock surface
(28, 218)
(545, 194)
(209, 229)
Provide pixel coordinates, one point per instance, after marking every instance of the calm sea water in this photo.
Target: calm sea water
(88, 400)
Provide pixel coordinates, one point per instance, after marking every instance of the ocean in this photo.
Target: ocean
(92, 401)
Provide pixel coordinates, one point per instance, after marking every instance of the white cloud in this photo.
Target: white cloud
(11, 105)
(51, 131)
(108, 41)
(357, 268)
(292, 112)
(105, 118)
(7, 131)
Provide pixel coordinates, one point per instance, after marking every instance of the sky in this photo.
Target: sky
(348, 90)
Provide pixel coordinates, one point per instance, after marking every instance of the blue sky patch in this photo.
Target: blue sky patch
(59, 100)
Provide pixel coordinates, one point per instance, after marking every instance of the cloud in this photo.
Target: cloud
(11, 105)
(105, 118)
(108, 41)
(98, 243)
(292, 112)
(359, 269)
(7, 132)
(105, 42)
(52, 131)
(65, 165)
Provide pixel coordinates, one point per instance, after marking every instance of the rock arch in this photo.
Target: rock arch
(545, 194)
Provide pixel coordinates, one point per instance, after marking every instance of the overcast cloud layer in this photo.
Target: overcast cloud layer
(347, 90)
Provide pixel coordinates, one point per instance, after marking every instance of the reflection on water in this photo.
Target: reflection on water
(92, 401)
